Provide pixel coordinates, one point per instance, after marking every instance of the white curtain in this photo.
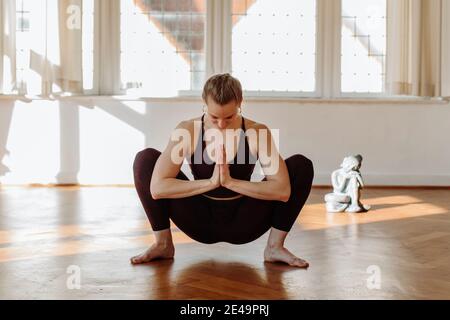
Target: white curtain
(109, 48)
(56, 44)
(7, 46)
(446, 48)
(217, 39)
(418, 48)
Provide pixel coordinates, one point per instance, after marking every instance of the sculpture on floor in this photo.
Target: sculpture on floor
(347, 184)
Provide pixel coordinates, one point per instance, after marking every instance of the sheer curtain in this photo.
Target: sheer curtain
(7, 46)
(445, 59)
(109, 46)
(418, 48)
(218, 39)
(56, 44)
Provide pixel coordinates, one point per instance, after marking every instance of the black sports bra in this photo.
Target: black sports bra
(240, 168)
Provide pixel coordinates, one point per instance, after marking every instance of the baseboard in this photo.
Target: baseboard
(392, 180)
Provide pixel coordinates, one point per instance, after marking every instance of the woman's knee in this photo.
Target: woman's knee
(302, 166)
(145, 158)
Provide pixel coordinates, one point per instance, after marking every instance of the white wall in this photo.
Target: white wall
(94, 140)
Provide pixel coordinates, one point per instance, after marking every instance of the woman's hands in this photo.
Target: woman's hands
(221, 175)
(225, 177)
(215, 179)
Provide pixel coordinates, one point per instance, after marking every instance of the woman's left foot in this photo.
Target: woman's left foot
(281, 254)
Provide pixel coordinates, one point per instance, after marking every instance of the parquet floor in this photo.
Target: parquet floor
(46, 234)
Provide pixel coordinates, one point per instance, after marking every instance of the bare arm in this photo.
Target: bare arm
(277, 187)
(164, 183)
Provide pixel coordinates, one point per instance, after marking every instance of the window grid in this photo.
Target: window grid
(261, 64)
(363, 47)
(23, 23)
(173, 49)
(178, 22)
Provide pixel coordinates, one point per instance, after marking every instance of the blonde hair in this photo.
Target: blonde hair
(223, 88)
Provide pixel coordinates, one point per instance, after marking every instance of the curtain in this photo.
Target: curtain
(418, 46)
(109, 48)
(217, 39)
(446, 48)
(7, 46)
(56, 44)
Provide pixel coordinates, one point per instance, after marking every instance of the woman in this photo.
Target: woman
(222, 204)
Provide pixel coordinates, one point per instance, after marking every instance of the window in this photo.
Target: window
(363, 46)
(38, 36)
(166, 48)
(273, 44)
(162, 46)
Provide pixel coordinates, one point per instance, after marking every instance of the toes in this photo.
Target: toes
(134, 260)
(137, 259)
(301, 263)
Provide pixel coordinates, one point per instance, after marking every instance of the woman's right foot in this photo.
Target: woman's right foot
(281, 254)
(156, 251)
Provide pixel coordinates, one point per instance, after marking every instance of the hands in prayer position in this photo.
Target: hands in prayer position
(221, 175)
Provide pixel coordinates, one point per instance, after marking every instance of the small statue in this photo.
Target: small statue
(347, 183)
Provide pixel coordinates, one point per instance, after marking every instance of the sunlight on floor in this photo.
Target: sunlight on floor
(30, 244)
(383, 209)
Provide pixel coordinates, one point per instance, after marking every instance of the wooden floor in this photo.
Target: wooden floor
(43, 231)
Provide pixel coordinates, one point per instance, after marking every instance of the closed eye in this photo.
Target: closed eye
(227, 118)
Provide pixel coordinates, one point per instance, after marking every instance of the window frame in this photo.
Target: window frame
(226, 16)
(328, 52)
(218, 44)
(340, 94)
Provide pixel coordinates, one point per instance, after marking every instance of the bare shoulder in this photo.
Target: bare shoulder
(189, 126)
(253, 138)
(189, 123)
(252, 124)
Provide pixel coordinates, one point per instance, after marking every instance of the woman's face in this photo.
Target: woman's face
(222, 116)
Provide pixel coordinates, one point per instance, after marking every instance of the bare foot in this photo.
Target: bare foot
(281, 254)
(153, 253)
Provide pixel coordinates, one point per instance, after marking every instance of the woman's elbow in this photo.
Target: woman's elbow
(154, 191)
(286, 194)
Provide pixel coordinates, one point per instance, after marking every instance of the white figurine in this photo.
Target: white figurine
(347, 183)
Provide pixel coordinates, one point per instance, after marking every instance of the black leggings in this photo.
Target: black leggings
(235, 221)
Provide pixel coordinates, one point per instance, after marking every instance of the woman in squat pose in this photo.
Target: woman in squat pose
(222, 204)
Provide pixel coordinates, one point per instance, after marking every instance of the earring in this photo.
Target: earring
(240, 111)
(204, 110)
